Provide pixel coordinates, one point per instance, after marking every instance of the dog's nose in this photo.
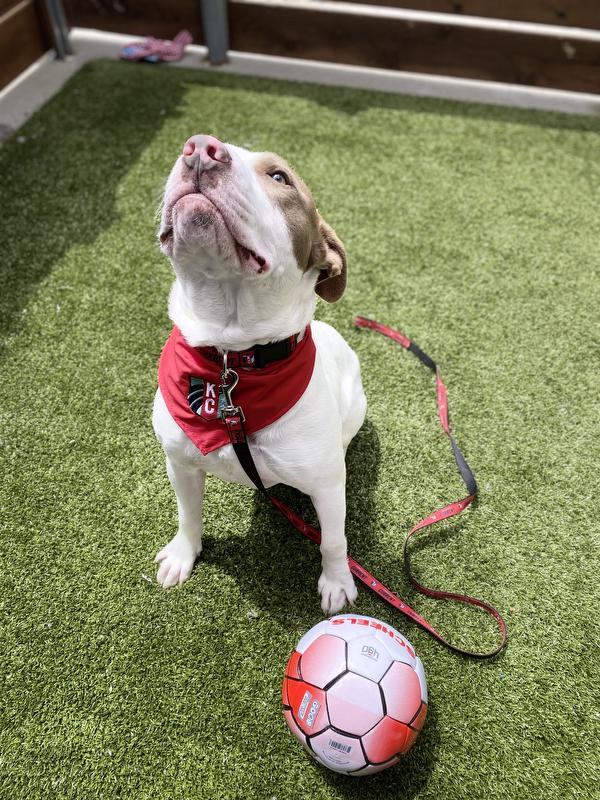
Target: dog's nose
(205, 152)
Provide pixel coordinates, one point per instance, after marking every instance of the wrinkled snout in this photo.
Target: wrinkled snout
(195, 195)
(202, 152)
(218, 212)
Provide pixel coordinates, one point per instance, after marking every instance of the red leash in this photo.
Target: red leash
(234, 419)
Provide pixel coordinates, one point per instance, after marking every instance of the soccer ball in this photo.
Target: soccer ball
(354, 694)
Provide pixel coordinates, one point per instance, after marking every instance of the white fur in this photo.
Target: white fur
(215, 302)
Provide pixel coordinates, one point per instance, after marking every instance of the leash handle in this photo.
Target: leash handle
(233, 418)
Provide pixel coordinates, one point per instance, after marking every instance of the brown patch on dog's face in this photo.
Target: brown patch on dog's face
(314, 242)
(293, 197)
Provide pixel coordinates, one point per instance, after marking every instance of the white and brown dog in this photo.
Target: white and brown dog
(250, 254)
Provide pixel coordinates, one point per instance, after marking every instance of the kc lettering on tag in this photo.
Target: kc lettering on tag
(205, 399)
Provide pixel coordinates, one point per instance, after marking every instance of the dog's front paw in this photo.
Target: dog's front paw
(336, 590)
(176, 561)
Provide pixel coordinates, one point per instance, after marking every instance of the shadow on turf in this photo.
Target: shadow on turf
(273, 564)
(85, 134)
(278, 573)
(355, 101)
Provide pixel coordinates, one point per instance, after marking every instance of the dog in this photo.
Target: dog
(251, 253)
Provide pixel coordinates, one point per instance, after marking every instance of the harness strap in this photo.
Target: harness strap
(235, 426)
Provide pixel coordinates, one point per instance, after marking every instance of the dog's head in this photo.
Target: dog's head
(228, 211)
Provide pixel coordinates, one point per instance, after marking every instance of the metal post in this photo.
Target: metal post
(60, 27)
(216, 30)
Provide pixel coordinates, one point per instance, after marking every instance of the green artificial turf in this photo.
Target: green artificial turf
(473, 229)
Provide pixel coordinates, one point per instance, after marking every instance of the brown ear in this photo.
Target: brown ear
(329, 257)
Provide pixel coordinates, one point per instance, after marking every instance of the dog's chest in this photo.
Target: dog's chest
(196, 390)
(302, 443)
(221, 462)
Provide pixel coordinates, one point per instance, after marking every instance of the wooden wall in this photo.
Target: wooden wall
(578, 13)
(24, 37)
(417, 47)
(422, 47)
(160, 18)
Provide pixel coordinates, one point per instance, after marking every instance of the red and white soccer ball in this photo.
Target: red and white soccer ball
(354, 694)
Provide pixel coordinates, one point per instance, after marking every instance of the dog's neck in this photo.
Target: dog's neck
(238, 313)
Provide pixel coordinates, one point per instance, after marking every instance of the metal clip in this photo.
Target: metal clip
(229, 380)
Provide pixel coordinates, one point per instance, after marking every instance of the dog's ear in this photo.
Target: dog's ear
(328, 255)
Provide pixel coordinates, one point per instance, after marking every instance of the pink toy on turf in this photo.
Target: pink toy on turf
(151, 49)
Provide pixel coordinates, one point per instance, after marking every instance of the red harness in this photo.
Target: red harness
(190, 383)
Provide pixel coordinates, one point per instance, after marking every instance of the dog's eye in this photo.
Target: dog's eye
(280, 177)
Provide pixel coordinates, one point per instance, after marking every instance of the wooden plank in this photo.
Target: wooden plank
(416, 47)
(12, 7)
(6, 5)
(576, 13)
(22, 40)
(161, 18)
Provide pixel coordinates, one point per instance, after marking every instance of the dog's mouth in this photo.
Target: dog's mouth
(249, 260)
